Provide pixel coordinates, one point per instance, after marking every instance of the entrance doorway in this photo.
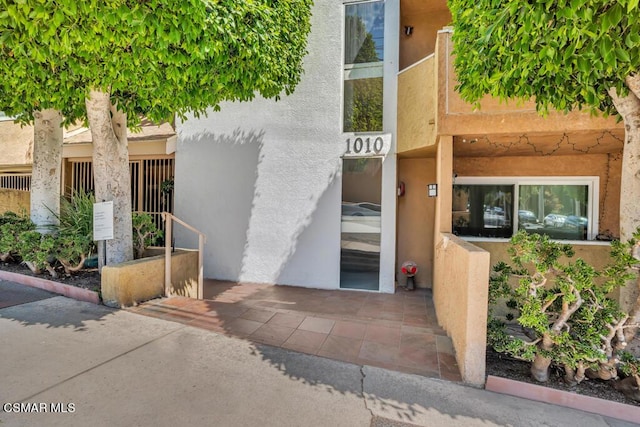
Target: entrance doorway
(360, 224)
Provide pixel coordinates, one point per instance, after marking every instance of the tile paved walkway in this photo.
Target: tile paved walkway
(394, 331)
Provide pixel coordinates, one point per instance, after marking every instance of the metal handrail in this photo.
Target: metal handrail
(167, 252)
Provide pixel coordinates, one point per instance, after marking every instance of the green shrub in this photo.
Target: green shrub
(76, 219)
(11, 225)
(71, 242)
(145, 233)
(37, 251)
(74, 234)
(562, 307)
(72, 250)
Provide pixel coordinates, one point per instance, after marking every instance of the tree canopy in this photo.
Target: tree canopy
(156, 57)
(566, 54)
(111, 62)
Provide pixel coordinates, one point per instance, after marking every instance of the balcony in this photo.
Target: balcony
(429, 107)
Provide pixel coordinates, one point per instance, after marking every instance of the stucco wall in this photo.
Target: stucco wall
(422, 41)
(457, 117)
(415, 218)
(131, 282)
(596, 254)
(263, 179)
(417, 106)
(606, 166)
(460, 293)
(14, 201)
(16, 144)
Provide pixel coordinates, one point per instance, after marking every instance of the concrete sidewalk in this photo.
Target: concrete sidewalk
(102, 367)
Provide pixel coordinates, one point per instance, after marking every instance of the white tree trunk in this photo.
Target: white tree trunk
(629, 109)
(630, 183)
(46, 171)
(111, 171)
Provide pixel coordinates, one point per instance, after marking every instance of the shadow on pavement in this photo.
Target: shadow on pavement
(31, 306)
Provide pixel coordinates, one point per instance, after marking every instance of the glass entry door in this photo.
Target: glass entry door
(360, 236)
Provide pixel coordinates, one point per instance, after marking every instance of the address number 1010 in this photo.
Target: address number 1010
(365, 145)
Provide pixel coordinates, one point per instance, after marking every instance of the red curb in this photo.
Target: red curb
(51, 286)
(567, 399)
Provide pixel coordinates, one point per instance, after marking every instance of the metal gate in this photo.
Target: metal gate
(151, 184)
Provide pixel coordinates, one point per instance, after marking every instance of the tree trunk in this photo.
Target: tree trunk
(540, 365)
(111, 171)
(540, 368)
(46, 172)
(573, 376)
(606, 370)
(629, 109)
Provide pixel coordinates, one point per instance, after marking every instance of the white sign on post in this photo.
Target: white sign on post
(103, 221)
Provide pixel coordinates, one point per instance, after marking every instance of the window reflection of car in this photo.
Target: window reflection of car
(361, 217)
(527, 217)
(573, 221)
(554, 220)
(360, 209)
(495, 217)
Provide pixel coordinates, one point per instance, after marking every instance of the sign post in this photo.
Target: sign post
(102, 228)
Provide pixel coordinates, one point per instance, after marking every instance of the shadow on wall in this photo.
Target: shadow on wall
(302, 244)
(290, 219)
(215, 183)
(257, 204)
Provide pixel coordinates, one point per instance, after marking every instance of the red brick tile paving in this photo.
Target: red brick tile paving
(272, 334)
(286, 319)
(242, 327)
(383, 335)
(257, 315)
(348, 329)
(392, 315)
(373, 352)
(423, 357)
(393, 331)
(305, 341)
(316, 324)
(340, 348)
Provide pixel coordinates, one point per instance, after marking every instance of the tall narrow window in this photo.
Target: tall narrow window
(363, 56)
(360, 239)
(362, 177)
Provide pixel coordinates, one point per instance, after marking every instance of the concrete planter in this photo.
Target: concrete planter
(563, 398)
(132, 282)
(51, 286)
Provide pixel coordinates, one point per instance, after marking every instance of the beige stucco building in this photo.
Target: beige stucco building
(151, 161)
(287, 195)
(497, 169)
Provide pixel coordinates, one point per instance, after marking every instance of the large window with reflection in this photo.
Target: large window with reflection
(363, 66)
(362, 177)
(562, 208)
(360, 224)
